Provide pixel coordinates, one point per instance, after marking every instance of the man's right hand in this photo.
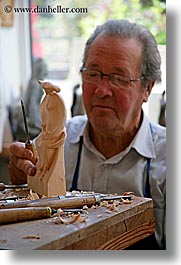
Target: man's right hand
(20, 164)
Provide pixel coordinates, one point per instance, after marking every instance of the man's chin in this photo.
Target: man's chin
(102, 123)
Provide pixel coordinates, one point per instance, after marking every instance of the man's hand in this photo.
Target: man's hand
(20, 164)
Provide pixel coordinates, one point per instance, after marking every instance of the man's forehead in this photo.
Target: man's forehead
(113, 39)
(104, 44)
(114, 50)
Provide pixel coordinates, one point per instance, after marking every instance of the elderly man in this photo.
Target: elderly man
(114, 148)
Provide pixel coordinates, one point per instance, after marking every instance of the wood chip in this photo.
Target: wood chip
(83, 219)
(70, 220)
(127, 193)
(3, 241)
(31, 237)
(99, 215)
(126, 201)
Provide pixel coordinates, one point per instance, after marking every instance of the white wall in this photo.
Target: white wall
(152, 107)
(15, 62)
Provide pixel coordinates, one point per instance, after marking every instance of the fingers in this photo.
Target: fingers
(20, 164)
(17, 176)
(24, 165)
(17, 149)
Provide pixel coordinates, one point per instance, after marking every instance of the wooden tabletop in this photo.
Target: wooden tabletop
(103, 229)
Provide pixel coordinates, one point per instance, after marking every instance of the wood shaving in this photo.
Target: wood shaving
(112, 205)
(99, 215)
(126, 201)
(10, 193)
(83, 219)
(108, 211)
(33, 196)
(3, 241)
(113, 208)
(85, 207)
(127, 193)
(78, 193)
(95, 206)
(68, 220)
(32, 237)
(60, 212)
(116, 203)
(105, 204)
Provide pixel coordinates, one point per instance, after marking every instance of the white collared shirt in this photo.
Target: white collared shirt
(126, 171)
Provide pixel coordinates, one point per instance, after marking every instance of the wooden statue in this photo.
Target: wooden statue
(50, 175)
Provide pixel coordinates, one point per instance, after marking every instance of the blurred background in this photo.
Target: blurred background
(45, 40)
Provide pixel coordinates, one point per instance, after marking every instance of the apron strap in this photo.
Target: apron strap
(147, 192)
(76, 173)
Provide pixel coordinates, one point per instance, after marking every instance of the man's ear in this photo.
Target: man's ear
(147, 90)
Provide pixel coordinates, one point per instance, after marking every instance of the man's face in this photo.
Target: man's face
(114, 108)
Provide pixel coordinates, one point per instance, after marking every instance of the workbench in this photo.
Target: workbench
(102, 230)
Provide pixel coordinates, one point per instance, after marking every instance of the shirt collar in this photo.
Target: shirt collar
(143, 141)
(78, 130)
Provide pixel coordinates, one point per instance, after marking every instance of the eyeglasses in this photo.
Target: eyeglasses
(115, 80)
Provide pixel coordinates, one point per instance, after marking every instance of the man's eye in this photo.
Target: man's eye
(120, 79)
(93, 74)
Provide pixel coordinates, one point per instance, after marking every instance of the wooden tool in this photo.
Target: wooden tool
(4, 186)
(29, 145)
(64, 203)
(24, 214)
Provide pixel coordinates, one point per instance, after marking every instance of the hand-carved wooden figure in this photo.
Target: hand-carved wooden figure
(49, 179)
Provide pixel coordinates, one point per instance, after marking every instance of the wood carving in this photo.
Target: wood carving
(49, 179)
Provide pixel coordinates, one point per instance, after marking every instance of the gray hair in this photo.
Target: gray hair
(124, 28)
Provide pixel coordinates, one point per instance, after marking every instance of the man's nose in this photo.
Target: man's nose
(103, 88)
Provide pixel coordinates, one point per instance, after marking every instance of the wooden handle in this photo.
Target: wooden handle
(30, 146)
(74, 202)
(24, 214)
(15, 204)
(64, 203)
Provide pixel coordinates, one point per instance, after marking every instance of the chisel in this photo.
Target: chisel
(30, 213)
(64, 202)
(24, 214)
(4, 186)
(28, 144)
